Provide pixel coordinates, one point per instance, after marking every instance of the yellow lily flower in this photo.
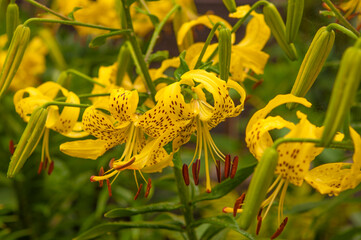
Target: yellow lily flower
(32, 65)
(245, 56)
(351, 6)
(175, 119)
(333, 178)
(66, 122)
(294, 158)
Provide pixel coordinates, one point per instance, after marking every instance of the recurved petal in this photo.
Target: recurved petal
(123, 104)
(275, 102)
(90, 149)
(240, 90)
(244, 58)
(77, 131)
(240, 12)
(51, 89)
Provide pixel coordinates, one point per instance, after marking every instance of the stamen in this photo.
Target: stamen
(227, 165)
(259, 224)
(40, 167)
(234, 166)
(51, 168)
(11, 147)
(125, 165)
(101, 173)
(109, 187)
(111, 162)
(92, 178)
(137, 194)
(280, 229)
(238, 203)
(185, 174)
(259, 82)
(259, 215)
(46, 162)
(218, 168)
(149, 186)
(282, 200)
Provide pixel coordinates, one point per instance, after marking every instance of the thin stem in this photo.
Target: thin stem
(341, 18)
(85, 96)
(66, 22)
(45, 8)
(183, 192)
(86, 77)
(65, 104)
(342, 29)
(157, 30)
(139, 60)
(343, 145)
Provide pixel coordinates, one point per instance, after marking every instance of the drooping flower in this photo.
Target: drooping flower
(32, 65)
(66, 122)
(174, 118)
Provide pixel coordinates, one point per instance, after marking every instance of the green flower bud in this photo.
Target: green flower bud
(123, 63)
(14, 56)
(257, 190)
(313, 62)
(294, 17)
(224, 52)
(230, 5)
(278, 29)
(12, 19)
(343, 92)
(28, 141)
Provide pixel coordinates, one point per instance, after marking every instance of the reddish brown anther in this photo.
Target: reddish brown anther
(234, 167)
(247, 98)
(185, 174)
(280, 229)
(40, 167)
(137, 194)
(238, 203)
(259, 215)
(92, 178)
(109, 188)
(196, 166)
(51, 168)
(259, 82)
(125, 165)
(11, 147)
(149, 186)
(259, 224)
(227, 166)
(111, 162)
(101, 173)
(218, 168)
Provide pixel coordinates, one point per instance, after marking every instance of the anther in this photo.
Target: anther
(109, 188)
(238, 203)
(51, 168)
(259, 224)
(46, 162)
(227, 166)
(137, 194)
(259, 213)
(259, 82)
(195, 171)
(149, 186)
(280, 229)
(185, 174)
(234, 167)
(218, 168)
(92, 178)
(11, 147)
(101, 173)
(40, 167)
(125, 165)
(111, 162)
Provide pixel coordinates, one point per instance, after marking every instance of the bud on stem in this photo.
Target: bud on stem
(313, 62)
(28, 141)
(230, 5)
(14, 56)
(294, 17)
(224, 52)
(12, 19)
(278, 29)
(343, 93)
(257, 190)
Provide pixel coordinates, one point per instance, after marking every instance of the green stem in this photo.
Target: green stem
(88, 95)
(157, 30)
(343, 145)
(86, 77)
(340, 17)
(64, 104)
(206, 44)
(183, 192)
(342, 29)
(66, 22)
(139, 60)
(45, 8)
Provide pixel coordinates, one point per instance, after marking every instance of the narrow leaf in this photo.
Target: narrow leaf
(183, 68)
(71, 14)
(158, 56)
(100, 40)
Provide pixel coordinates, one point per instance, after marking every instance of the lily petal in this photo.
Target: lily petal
(89, 149)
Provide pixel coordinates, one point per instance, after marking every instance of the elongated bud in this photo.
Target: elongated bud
(230, 5)
(343, 92)
(224, 52)
(123, 63)
(313, 62)
(12, 19)
(28, 141)
(278, 29)
(181, 17)
(294, 17)
(258, 187)
(14, 56)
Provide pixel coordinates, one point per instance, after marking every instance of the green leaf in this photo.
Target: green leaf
(228, 185)
(183, 68)
(225, 221)
(156, 207)
(164, 80)
(158, 56)
(101, 39)
(71, 14)
(116, 226)
(153, 18)
(211, 231)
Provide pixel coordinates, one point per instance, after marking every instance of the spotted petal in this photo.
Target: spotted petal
(123, 104)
